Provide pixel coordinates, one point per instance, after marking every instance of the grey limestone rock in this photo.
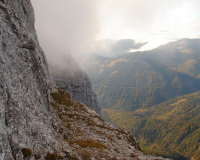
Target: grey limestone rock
(92, 137)
(26, 116)
(71, 78)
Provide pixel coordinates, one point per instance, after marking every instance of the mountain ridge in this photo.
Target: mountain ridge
(182, 55)
(137, 79)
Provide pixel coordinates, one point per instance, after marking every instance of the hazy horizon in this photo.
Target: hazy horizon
(81, 27)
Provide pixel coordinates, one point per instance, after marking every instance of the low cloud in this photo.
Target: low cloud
(125, 45)
(109, 47)
(72, 26)
(66, 26)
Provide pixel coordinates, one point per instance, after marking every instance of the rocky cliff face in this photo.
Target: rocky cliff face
(26, 116)
(71, 78)
(91, 137)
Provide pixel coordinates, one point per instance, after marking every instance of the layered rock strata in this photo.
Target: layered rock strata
(71, 78)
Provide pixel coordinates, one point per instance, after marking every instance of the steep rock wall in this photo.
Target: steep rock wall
(71, 78)
(26, 116)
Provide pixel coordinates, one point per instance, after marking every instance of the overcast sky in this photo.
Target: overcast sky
(75, 26)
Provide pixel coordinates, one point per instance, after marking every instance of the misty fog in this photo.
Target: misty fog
(110, 28)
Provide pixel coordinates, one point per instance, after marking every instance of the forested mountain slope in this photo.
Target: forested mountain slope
(136, 80)
(182, 56)
(170, 129)
(141, 92)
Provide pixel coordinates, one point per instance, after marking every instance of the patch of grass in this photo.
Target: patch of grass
(37, 156)
(53, 105)
(72, 115)
(64, 93)
(52, 156)
(85, 155)
(133, 155)
(60, 115)
(70, 141)
(62, 98)
(26, 152)
(68, 126)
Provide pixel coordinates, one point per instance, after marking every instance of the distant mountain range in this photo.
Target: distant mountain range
(182, 56)
(140, 79)
(148, 81)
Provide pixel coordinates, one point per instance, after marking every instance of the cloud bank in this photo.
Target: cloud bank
(110, 48)
(66, 26)
(73, 26)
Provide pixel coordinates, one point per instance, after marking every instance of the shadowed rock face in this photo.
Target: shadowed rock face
(26, 116)
(71, 78)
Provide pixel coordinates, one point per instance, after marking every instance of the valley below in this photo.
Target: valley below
(153, 94)
(170, 129)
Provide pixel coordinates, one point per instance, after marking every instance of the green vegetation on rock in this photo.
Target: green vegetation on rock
(26, 152)
(87, 133)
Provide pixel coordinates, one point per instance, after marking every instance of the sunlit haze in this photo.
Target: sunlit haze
(77, 26)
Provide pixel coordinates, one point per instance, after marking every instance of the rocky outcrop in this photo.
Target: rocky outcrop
(28, 125)
(90, 136)
(70, 77)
